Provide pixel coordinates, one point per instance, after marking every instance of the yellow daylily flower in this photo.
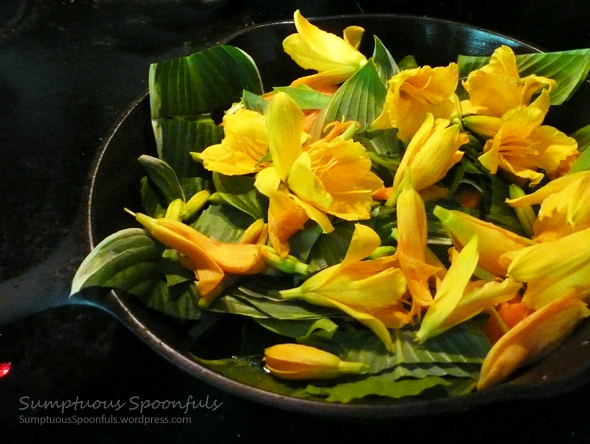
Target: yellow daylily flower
(458, 299)
(243, 147)
(565, 206)
(497, 87)
(553, 269)
(494, 241)
(368, 290)
(334, 58)
(412, 94)
(412, 246)
(433, 150)
(300, 362)
(522, 147)
(331, 176)
(210, 259)
(531, 339)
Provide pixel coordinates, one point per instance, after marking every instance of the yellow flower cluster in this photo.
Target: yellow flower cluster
(331, 177)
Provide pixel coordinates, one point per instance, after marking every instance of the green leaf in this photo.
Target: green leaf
(582, 136)
(254, 102)
(202, 82)
(223, 223)
(303, 329)
(163, 177)
(331, 248)
(387, 385)
(177, 137)
(568, 68)
(463, 345)
(498, 212)
(239, 192)
(248, 370)
(360, 98)
(179, 301)
(151, 200)
(305, 97)
(384, 62)
(126, 260)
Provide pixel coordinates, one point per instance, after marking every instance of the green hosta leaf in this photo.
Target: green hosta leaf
(331, 248)
(384, 62)
(498, 212)
(177, 137)
(126, 260)
(163, 177)
(360, 98)
(388, 385)
(305, 97)
(223, 223)
(254, 102)
(582, 136)
(199, 83)
(248, 370)
(234, 302)
(152, 202)
(179, 301)
(461, 345)
(239, 192)
(303, 329)
(568, 68)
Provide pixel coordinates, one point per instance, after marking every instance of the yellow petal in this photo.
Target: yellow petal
(531, 339)
(306, 185)
(450, 292)
(553, 269)
(493, 240)
(313, 48)
(284, 122)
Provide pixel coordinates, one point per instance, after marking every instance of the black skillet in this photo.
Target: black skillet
(114, 184)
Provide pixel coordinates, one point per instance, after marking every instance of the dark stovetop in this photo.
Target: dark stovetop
(67, 69)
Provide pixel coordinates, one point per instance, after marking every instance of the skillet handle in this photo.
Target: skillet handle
(44, 286)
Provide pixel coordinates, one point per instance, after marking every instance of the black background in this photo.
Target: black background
(67, 70)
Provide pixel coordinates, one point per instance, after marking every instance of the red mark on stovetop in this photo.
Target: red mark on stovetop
(4, 368)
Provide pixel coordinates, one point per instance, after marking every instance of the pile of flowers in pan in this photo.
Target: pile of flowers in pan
(376, 228)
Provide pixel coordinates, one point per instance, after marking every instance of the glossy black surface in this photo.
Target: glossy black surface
(68, 70)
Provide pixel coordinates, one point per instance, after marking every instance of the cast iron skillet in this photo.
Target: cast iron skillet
(114, 184)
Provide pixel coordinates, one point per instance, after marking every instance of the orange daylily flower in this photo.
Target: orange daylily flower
(433, 150)
(531, 339)
(412, 246)
(565, 206)
(370, 291)
(335, 59)
(412, 94)
(553, 269)
(210, 259)
(458, 298)
(494, 241)
(497, 87)
(243, 147)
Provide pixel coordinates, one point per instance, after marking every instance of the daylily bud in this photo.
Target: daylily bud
(296, 361)
(175, 209)
(194, 204)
